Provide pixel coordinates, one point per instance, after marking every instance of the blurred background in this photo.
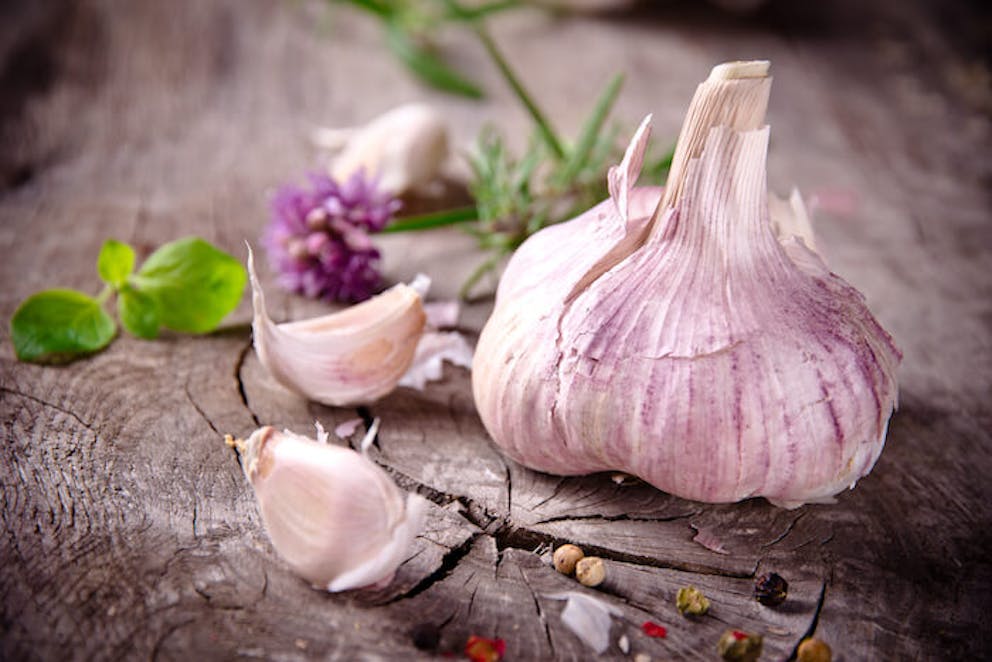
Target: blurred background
(146, 121)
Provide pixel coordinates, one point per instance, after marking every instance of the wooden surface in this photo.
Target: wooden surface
(128, 529)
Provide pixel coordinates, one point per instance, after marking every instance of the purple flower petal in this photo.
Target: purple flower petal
(334, 258)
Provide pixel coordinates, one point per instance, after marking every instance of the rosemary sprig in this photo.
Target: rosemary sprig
(515, 197)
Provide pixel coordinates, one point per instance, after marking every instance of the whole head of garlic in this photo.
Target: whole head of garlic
(335, 517)
(404, 148)
(671, 335)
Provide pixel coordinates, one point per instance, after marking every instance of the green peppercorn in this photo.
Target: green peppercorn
(690, 601)
(737, 646)
(813, 650)
(770, 589)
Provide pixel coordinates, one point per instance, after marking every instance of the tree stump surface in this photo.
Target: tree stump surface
(129, 530)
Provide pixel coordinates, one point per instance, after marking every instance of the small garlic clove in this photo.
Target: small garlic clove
(404, 148)
(335, 517)
(350, 357)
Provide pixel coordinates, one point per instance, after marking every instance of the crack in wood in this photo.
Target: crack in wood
(816, 619)
(238, 366)
(448, 563)
(50, 405)
(540, 611)
(617, 518)
(785, 533)
(199, 410)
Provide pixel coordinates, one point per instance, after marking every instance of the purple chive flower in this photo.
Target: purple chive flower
(318, 239)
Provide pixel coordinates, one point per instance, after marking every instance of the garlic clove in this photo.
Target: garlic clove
(688, 345)
(349, 357)
(404, 148)
(335, 517)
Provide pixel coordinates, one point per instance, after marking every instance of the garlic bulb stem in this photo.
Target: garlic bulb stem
(735, 95)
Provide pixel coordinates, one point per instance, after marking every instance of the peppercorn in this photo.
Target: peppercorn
(770, 589)
(480, 649)
(590, 571)
(813, 650)
(426, 636)
(737, 646)
(690, 601)
(565, 558)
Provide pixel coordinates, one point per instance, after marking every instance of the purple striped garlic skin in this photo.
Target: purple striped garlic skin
(688, 345)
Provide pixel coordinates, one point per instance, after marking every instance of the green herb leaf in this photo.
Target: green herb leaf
(138, 312)
(427, 66)
(655, 171)
(433, 220)
(193, 284)
(55, 326)
(116, 262)
(458, 13)
(543, 125)
(579, 157)
(374, 7)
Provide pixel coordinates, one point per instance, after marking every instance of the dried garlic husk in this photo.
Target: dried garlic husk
(589, 618)
(671, 335)
(404, 148)
(350, 357)
(335, 517)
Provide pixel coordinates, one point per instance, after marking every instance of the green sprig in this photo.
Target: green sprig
(186, 285)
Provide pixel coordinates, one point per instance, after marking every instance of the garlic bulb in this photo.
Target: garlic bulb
(671, 335)
(335, 517)
(349, 357)
(404, 147)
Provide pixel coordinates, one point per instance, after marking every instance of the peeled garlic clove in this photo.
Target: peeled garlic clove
(684, 343)
(404, 148)
(350, 357)
(334, 516)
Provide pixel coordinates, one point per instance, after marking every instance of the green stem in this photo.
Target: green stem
(433, 220)
(479, 272)
(371, 6)
(542, 124)
(474, 13)
(104, 295)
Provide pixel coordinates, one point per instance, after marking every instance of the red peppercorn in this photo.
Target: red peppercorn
(654, 630)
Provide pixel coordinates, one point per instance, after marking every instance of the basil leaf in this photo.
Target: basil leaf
(55, 326)
(138, 312)
(193, 284)
(116, 262)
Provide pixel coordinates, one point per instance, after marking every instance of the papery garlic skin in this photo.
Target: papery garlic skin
(354, 356)
(404, 148)
(686, 344)
(335, 517)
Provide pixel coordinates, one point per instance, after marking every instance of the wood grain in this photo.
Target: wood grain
(129, 531)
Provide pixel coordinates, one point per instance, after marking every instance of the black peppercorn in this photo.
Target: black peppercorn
(426, 636)
(770, 589)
